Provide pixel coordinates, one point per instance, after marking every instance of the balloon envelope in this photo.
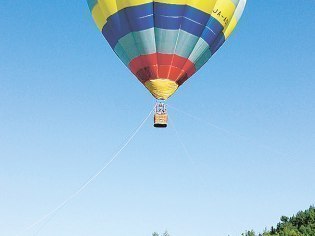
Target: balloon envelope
(164, 42)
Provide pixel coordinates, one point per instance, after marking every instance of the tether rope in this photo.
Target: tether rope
(88, 182)
(228, 132)
(180, 140)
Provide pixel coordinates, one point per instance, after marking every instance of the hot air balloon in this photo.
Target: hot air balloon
(164, 42)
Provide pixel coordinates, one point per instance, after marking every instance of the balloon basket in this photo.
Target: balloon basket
(160, 115)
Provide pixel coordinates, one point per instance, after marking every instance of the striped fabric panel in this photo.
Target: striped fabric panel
(103, 9)
(166, 16)
(155, 40)
(158, 65)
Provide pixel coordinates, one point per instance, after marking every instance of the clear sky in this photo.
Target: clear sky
(67, 104)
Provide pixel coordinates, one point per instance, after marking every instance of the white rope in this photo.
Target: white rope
(172, 124)
(88, 182)
(199, 119)
(228, 132)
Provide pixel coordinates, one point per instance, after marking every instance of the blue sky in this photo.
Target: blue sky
(67, 104)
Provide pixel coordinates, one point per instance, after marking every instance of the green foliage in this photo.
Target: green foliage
(301, 224)
(249, 233)
(166, 233)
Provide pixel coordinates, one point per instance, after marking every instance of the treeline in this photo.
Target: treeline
(301, 224)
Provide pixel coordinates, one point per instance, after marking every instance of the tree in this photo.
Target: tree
(249, 233)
